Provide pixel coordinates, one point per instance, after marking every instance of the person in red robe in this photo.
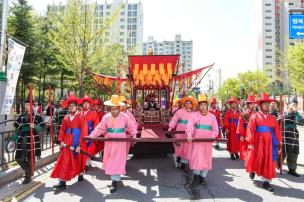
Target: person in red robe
(92, 120)
(72, 131)
(97, 107)
(263, 137)
(213, 110)
(231, 121)
(242, 127)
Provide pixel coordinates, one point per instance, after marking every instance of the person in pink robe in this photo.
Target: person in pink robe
(179, 122)
(125, 110)
(202, 124)
(115, 125)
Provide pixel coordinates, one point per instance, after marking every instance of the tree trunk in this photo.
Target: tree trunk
(39, 88)
(18, 97)
(61, 84)
(43, 90)
(81, 91)
(23, 94)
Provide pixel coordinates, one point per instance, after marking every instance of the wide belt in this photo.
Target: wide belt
(203, 127)
(115, 130)
(182, 121)
(90, 129)
(235, 121)
(76, 135)
(267, 129)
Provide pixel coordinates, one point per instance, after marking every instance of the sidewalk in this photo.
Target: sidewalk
(15, 173)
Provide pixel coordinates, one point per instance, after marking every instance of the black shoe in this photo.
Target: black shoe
(196, 181)
(252, 175)
(178, 159)
(202, 180)
(113, 186)
(294, 173)
(80, 178)
(60, 186)
(26, 180)
(232, 157)
(88, 167)
(185, 167)
(237, 156)
(267, 186)
(194, 189)
(217, 147)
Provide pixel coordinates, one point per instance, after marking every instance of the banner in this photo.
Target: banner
(14, 62)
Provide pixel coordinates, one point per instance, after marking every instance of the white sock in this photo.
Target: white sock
(88, 162)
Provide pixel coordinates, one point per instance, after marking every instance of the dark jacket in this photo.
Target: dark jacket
(23, 150)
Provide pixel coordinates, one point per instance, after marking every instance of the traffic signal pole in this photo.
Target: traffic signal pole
(3, 78)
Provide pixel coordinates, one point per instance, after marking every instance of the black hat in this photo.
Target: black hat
(27, 100)
(294, 99)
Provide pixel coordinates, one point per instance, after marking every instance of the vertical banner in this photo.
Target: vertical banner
(14, 62)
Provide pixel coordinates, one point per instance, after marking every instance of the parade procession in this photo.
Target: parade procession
(90, 112)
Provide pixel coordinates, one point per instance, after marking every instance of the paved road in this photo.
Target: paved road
(155, 179)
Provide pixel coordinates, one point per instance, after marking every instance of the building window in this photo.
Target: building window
(268, 56)
(268, 17)
(268, 37)
(267, 4)
(268, 30)
(268, 50)
(268, 24)
(268, 11)
(108, 6)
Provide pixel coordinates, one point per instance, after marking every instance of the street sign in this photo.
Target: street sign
(296, 26)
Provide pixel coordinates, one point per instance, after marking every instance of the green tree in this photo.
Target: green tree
(253, 82)
(230, 87)
(80, 38)
(21, 28)
(296, 66)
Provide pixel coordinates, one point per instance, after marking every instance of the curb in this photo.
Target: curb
(16, 172)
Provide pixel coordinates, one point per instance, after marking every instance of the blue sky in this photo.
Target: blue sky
(221, 30)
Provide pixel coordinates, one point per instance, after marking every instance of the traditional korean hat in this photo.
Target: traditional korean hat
(188, 98)
(124, 100)
(71, 99)
(27, 100)
(176, 101)
(233, 99)
(264, 97)
(114, 102)
(97, 102)
(213, 101)
(202, 98)
(294, 99)
(250, 99)
(88, 99)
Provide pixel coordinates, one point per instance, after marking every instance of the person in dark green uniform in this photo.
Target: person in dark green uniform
(23, 150)
(290, 137)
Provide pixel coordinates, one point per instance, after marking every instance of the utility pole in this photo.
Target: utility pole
(220, 84)
(3, 77)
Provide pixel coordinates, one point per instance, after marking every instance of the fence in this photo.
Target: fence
(45, 141)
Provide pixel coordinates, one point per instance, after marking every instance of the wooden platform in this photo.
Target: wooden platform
(152, 131)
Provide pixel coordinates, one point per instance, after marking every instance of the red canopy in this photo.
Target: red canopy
(191, 73)
(152, 70)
